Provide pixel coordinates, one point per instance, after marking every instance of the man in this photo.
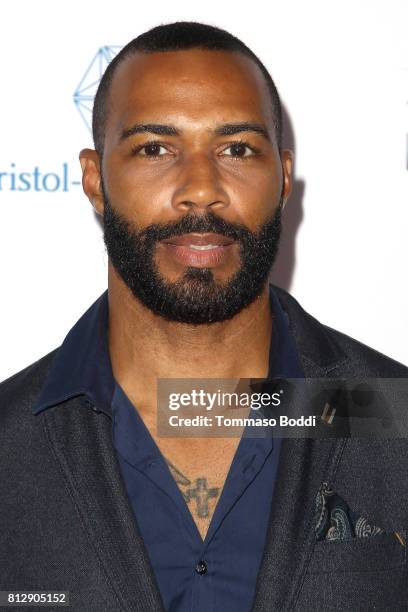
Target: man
(190, 178)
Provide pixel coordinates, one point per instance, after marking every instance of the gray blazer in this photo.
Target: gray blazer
(67, 524)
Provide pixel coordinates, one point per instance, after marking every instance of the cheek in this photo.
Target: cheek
(255, 198)
(139, 195)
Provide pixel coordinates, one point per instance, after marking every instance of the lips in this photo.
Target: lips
(199, 250)
(200, 240)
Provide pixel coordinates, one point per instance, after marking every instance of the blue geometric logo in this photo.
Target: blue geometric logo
(85, 92)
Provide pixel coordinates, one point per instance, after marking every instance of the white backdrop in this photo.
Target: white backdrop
(342, 71)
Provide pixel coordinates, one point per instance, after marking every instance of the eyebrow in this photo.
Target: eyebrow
(229, 129)
(160, 129)
(152, 128)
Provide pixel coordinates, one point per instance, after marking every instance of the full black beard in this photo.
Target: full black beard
(195, 298)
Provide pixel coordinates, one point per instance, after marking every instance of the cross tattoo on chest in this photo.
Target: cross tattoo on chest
(202, 495)
(200, 492)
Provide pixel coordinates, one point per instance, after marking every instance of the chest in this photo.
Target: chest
(200, 469)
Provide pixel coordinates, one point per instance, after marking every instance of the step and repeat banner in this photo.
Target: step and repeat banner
(342, 71)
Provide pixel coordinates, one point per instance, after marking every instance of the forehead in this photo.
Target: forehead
(195, 86)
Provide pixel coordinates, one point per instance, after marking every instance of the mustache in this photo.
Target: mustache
(190, 223)
(193, 223)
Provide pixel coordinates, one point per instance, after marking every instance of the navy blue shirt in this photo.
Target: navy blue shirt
(219, 573)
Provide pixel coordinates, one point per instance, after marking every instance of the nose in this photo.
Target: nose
(199, 185)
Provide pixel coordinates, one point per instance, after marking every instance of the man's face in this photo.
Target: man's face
(191, 182)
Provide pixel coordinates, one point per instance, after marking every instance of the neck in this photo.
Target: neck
(143, 346)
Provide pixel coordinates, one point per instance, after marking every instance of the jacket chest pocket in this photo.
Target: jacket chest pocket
(375, 553)
(359, 574)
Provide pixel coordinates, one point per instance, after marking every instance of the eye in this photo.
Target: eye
(150, 149)
(239, 149)
(154, 149)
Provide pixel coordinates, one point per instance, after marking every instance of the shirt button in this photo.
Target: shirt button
(201, 568)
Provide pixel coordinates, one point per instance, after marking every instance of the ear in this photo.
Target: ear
(91, 178)
(287, 168)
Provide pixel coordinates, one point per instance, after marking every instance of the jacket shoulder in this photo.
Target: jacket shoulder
(329, 347)
(24, 387)
(366, 357)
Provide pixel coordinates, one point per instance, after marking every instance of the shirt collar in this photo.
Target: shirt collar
(284, 361)
(82, 364)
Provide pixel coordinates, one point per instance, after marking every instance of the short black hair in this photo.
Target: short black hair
(178, 36)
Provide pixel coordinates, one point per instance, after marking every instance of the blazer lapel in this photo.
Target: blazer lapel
(304, 464)
(81, 439)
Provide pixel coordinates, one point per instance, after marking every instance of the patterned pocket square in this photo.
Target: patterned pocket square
(335, 520)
